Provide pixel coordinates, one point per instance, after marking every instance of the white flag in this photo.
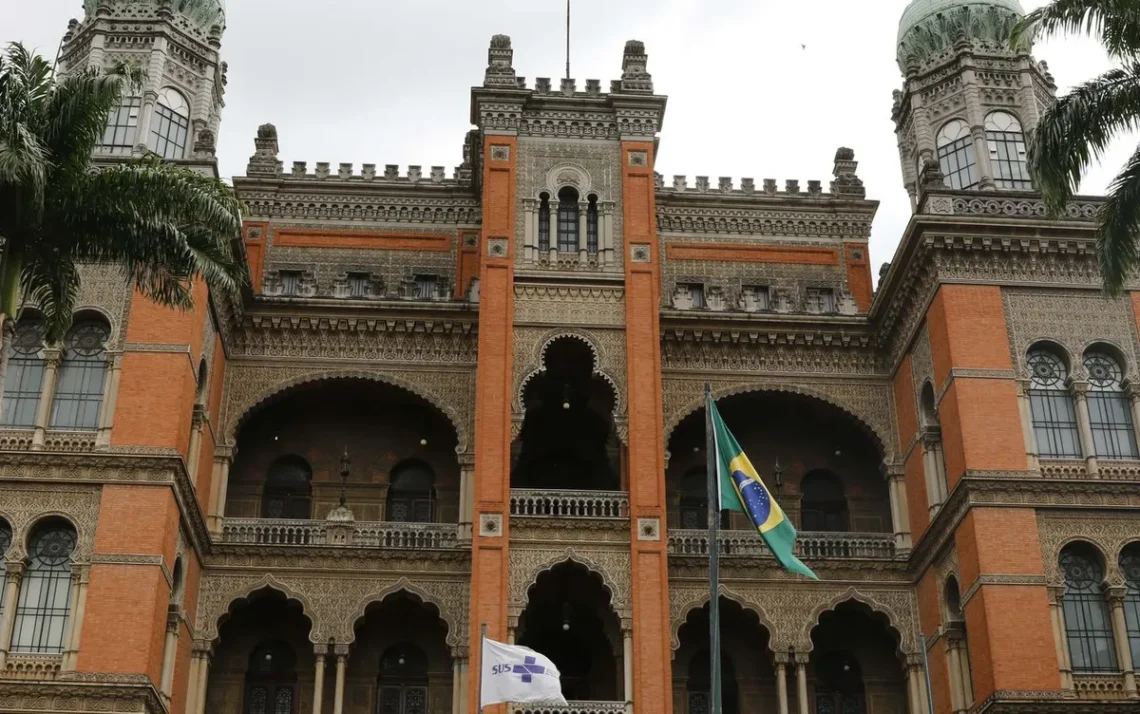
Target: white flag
(519, 675)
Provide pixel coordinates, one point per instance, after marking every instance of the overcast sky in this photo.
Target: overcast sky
(387, 81)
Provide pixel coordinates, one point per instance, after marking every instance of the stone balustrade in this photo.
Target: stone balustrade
(272, 531)
(808, 544)
(569, 504)
(36, 667)
(572, 708)
(1099, 686)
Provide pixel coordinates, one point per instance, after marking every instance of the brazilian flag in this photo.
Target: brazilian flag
(741, 489)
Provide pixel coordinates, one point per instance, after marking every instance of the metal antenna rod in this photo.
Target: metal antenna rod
(567, 39)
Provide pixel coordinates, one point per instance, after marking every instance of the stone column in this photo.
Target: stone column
(68, 661)
(627, 660)
(150, 93)
(319, 677)
(193, 452)
(203, 678)
(954, 665)
(530, 230)
(801, 683)
(1080, 391)
(15, 573)
(110, 398)
(553, 202)
(192, 685)
(456, 685)
(223, 457)
(782, 682)
(1055, 593)
(1116, 595)
(52, 357)
(466, 498)
(913, 700)
(1032, 455)
(341, 652)
(170, 651)
(583, 225)
(1133, 394)
(900, 510)
(606, 233)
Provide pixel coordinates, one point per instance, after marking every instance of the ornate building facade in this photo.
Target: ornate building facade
(468, 398)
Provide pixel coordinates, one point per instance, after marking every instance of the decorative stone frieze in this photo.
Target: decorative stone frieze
(569, 305)
(23, 506)
(1109, 533)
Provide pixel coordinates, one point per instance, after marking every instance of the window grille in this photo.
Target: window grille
(544, 224)
(1007, 151)
(427, 287)
(1087, 624)
(170, 125)
(45, 592)
(956, 155)
(1110, 412)
(24, 382)
(568, 221)
(271, 680)
(592, 226)
(79, 387)
(290, 282)
(359, 285)
(1051, 407)
(122, 125)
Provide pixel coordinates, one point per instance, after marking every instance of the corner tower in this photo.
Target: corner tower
(969, 98)
(176, 43)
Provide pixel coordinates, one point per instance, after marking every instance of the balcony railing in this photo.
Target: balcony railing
(1099, 686)
(571, 708)
(569, 504)
(1108, 469)
(271, 531)
(809, 544)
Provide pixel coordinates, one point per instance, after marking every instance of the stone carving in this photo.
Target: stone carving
(569, 305)
(869, 403)
(611, 565)
(247, 386)
(1033, 315)
(715, 218)
(607, 346)
(106, 290)
(1108, 533)
(23, 506)
(789, 613)
(332, 604)
(808, 353)
(921, 365)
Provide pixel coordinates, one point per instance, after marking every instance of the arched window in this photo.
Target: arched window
(403, 680)
(933, 455)
(1110, 412)
(122, 126)
(956, 155)
(288, 489)
(839, 685)
(544, 223)
(271, 680)
(700, 685)
(170, 125)
(411, 495)
(176, 581)
(592, 226)
(1087, 624)
(567, 221)
(79, 387)
(823, 504)
(1007, 151)
(956, 644)
(45, 592)
(1130, 567)
(25, 379)
(5, 544)
(1051, 407)
(695, 499)
(203, 380)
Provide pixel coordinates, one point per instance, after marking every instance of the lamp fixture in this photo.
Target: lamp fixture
(423, 442)
(566, 611)
(565, 396)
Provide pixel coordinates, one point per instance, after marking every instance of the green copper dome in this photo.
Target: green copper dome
(203, 13)
(930, 26)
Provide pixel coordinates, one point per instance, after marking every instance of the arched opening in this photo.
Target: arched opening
(569, 619)
(855, 660)
(1130, 568)
(933, 455)
(567, 220)
(381, 426)
(1110, 410)
(746, 671)
(288, 489)
(957, 645)
(411, 497)
(263, 662)
(400, 663)
(812, 455)
(44, 604)
(823, 503)
(1088, 629)
(1006, 142)
(592, 225)
(200, 392)
(79, 385)
(544, 222)
(170, 126)
(177, 578)
(568, 440)
(956, 155)
(24, 382)
(1051, 406)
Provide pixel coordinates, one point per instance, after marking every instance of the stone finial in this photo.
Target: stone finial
(300, 168)
(815, 187)
(930, 175)
(883, 270)
(500, 70)
(205, 144)
(725, 184)
(593, 87)
(569, 86)
(264, 159)
(322, 169)
(770, 186)
(680, 183)
(368, 171)
(542, 85)
(437, 174)
(344, 171)
(847, 184)
(635, 79)
(703, 184)
(391, 172)
(792, 186)
(415, 173)
(748, 185)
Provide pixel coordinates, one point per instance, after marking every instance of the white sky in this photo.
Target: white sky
(387, 81)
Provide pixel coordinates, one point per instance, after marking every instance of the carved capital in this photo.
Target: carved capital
(1079, 388)
(341, 651)
(15, 571)
(52, 357)
(1115, 595)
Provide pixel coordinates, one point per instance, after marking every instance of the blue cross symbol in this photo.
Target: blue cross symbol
(528, 669)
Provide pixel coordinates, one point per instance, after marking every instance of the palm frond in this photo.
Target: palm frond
(1076, 129)
(1116, 23)
(1119, 226)
(51, 283)
(76, 115)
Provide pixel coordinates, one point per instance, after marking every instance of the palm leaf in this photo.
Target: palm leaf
(1116, 23)
(1119, 226)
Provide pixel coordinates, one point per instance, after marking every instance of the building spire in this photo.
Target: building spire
(567, 39)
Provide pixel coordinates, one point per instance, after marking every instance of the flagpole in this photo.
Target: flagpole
(567, 39)
(711, 460)
(482, 642)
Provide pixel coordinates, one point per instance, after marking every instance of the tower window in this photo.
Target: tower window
(25, 378)
(79, 387)
(122, 124)
(568, 221)
(1110, 413)
(592, 226)
(1007, 151)
(171, 125)
(820, 301)
(956, 155)
(1088, 627)
(544, 223)
(1051, 407)
(290, 282)
(427, 287)
(359, 284)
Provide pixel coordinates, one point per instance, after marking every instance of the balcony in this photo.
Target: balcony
(360, 534)
(749, 544)
(572, 708)
(1107, 469)
(528, 503)
(1100, 686)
